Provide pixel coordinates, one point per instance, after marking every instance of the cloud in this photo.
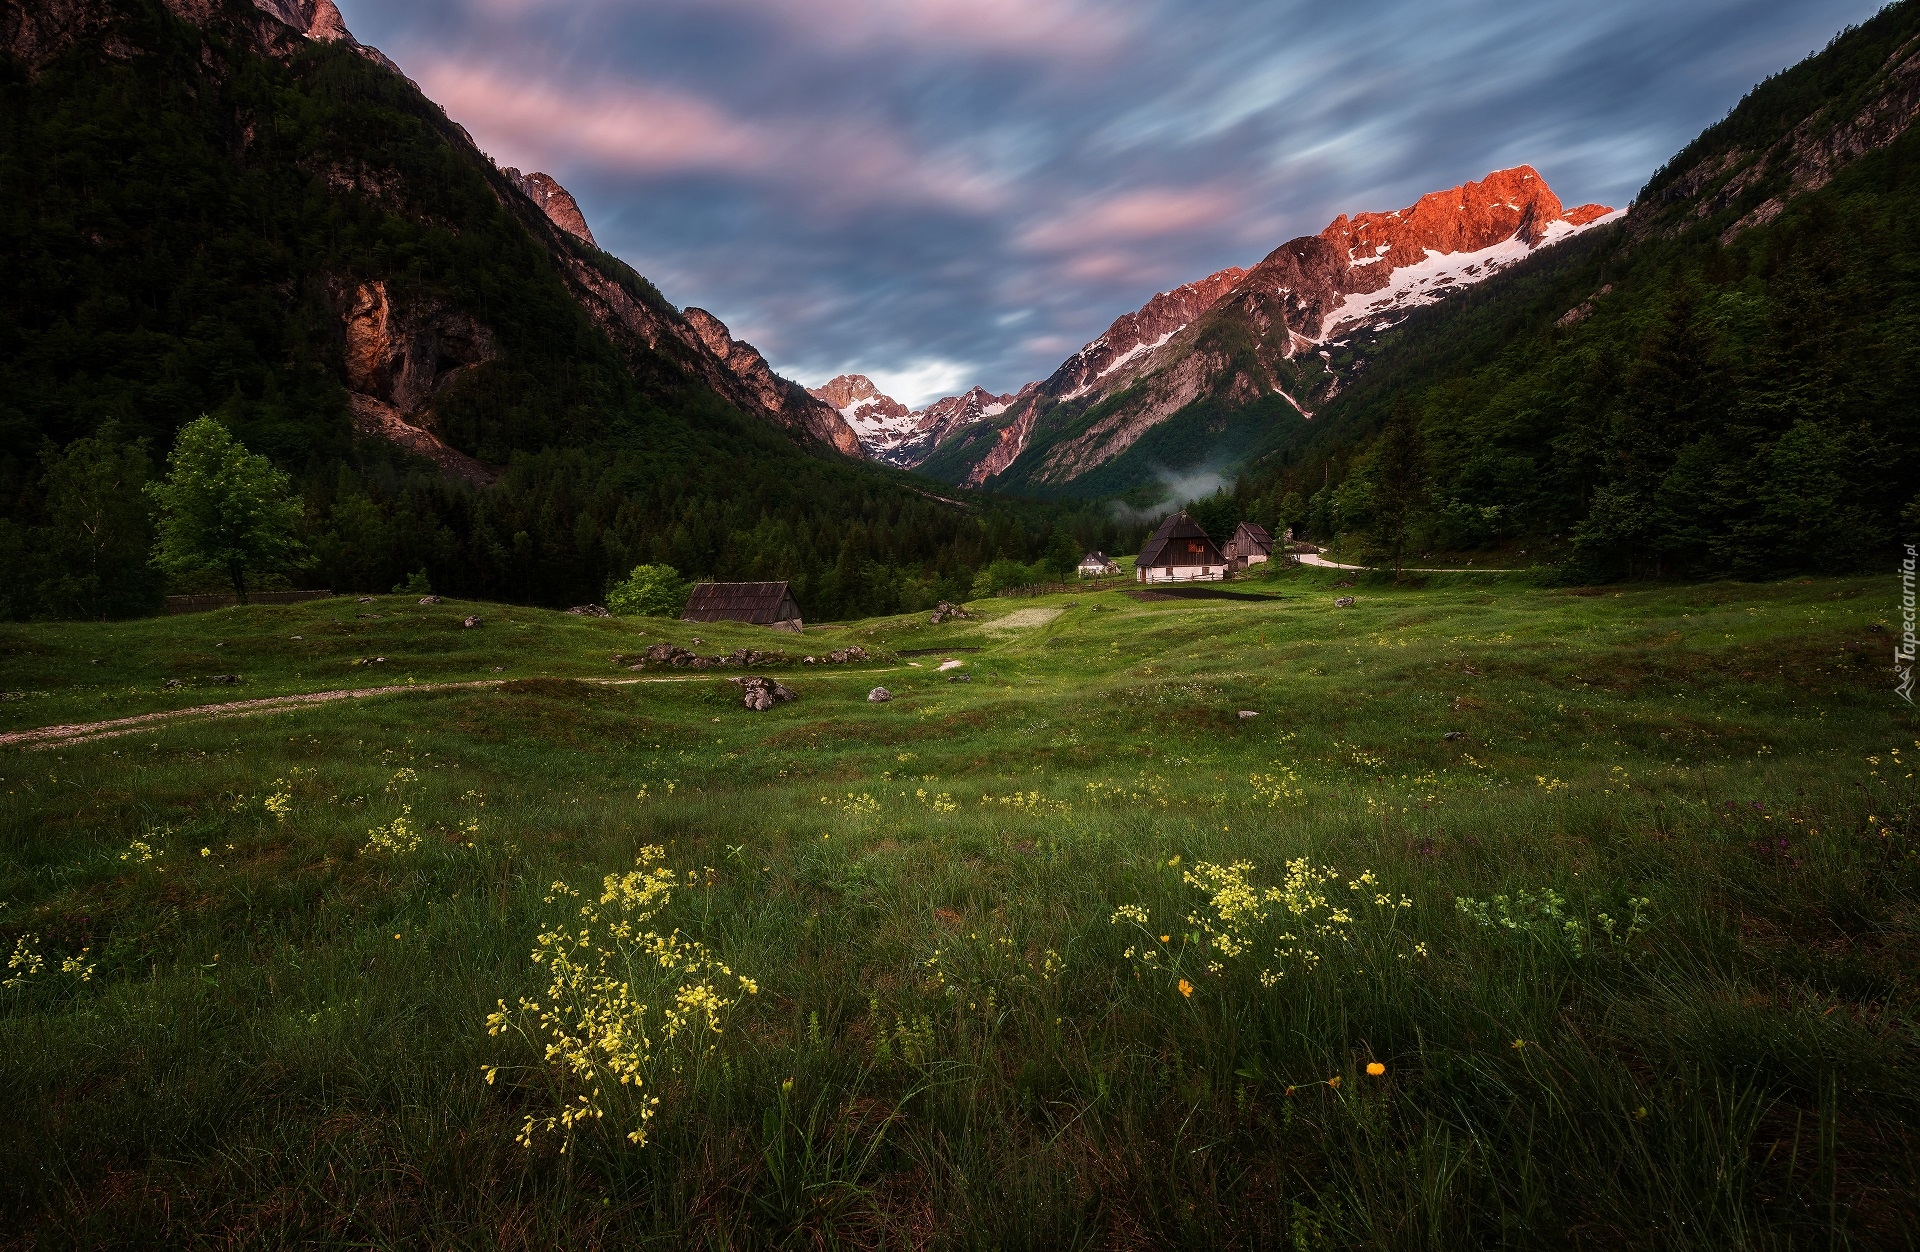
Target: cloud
(920, 383)
(533, 119)
(1130, 216)
(949, 192)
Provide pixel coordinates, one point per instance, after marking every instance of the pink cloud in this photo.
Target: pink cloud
(629, 128)
(1131, 216)
(831, 163)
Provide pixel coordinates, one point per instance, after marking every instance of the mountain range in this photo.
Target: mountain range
(1304, 316)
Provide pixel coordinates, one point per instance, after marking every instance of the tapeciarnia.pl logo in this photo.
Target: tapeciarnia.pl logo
(1903, 648)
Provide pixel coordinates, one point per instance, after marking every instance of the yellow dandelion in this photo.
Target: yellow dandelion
(1186, 989)
(1375, 1068)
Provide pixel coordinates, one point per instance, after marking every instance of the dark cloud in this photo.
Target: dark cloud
(943, 192)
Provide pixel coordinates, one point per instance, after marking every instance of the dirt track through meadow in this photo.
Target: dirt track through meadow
(89, 732)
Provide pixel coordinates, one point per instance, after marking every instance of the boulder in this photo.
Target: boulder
(848, 655)
(588, 610)
(1455, 734)
(429, 599)
(760, 694)
(1344, 602)
(471, 623)
(879, 695)
(945, 612)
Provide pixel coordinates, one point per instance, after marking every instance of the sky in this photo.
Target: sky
(943, 193)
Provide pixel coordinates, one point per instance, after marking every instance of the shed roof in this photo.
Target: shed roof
(1255, 532)
(1176, 539)
(758, 604)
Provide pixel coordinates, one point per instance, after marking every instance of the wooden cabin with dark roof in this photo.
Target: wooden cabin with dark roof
(1250, 545)
(1180, 552)
(757, 604)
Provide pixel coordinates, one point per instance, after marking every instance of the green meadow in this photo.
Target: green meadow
(1517, 917)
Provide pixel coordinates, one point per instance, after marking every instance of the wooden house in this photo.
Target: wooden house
(1180, 552)
(1250, 545)
(1097, 565)
(757, 604)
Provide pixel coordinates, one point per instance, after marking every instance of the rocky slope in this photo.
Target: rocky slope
(555, 201)
(1282, 332)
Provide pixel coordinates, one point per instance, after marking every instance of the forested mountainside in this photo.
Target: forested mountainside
(211, 211)
(1726, 382)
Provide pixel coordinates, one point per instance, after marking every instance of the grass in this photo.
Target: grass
(1686, 1020)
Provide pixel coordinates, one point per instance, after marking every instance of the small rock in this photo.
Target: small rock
(1344, 602)
(592, 610)
(1455, 734)
(172, 684)
(952, 664)
(760, 694)
(225, 680)
(499, 669)
(472, 623)
(1246, 713)
(97, 661)
(959, 678)
(364, 600)
(879, 695)
(429, 599)
(296, 639)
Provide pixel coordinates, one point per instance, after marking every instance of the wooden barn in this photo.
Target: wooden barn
(757, 604)
(1180, 552)
(1250, 545)
(1097, 565)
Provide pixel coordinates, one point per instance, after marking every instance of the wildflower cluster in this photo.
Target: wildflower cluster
(25, 963)
(623, 1003)
(145, 848)
(1549, 784)
(1293, 925)
(1280, 788)
(1031, 802)
(1145, 789)
(856, 804)
(942, 803)
(397, 838)
(1544, 918)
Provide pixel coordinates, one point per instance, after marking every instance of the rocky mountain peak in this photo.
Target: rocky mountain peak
(555, 201)
(858, 392)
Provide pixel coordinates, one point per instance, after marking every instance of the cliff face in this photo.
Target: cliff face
(555, 201)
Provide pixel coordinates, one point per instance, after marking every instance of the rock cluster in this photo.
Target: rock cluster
(681, 658)
(760, 694)
(841, 656)
(589, 610)
(948, 613)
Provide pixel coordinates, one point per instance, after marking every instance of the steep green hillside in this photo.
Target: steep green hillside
(186, 219)
(1723, 383)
